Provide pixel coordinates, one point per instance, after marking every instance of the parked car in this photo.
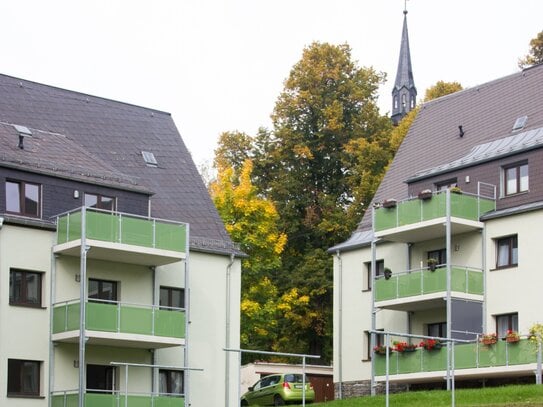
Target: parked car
(278, 390)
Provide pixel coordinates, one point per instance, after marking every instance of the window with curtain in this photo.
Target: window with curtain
(506, 322)
(507, 252)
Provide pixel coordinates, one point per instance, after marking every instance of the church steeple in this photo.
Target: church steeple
(404, 93)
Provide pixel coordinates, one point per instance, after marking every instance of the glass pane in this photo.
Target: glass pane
(176, 298)
(32, 288)
(163, 382)
(514, 322)
(503, 253)
(15, 286)
(109, 291)
(30, 375)
(502, 322)
(32, 198)
(514, 250)
(511, 181)
(524, 177)
(93, 289)
(107, 203)
(177, 382)
(164, 297)
(91, 200)
(13, 195)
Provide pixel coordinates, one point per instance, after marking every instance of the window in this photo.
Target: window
(505, 323)
(444, 185)
(23, 198)
(102, 290)
(23, 377)
(380, 270)
(438, 329)
(515, 179)
(172, 297)
(100, 202)
(507, 252)
(101, 379)
(171, 382)
(25, 288)
(438, 255)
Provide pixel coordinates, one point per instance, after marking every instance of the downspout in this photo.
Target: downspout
(187, 318)
(227, 332)
(449, 287)
(82, 309)
(340, 324)
(153, 356)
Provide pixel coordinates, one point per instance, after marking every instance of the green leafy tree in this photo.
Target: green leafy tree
(251, 221)
(233, 149)
(535, 54)
(306, 167)
(441, 88)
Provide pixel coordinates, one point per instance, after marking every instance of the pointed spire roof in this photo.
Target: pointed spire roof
(404, 74)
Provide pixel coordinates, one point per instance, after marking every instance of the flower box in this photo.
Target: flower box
(512, 337)
(425, 194)
(389, 203)
(404, 347)
(489, 339)
(430, 344)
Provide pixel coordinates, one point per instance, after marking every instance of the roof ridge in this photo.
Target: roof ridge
(87, 95)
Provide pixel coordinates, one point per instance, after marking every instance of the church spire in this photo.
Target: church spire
(404, 93)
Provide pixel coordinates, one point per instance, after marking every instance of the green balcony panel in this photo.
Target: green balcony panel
(102, 317)
(116, 400)
(466, 356)
(128, 319)
(66, 318)
(68, 400)
(422, 282)
(136, 320)
(413, 211)
(170, 323)
(121, 228)
(409, 212)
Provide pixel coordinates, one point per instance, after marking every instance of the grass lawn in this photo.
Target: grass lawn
(522, 395)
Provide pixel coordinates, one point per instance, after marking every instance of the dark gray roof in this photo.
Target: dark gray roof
(56, 155)
(485, 112)
(488, 151)
(117, 133)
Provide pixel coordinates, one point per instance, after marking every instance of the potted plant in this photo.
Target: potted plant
(387, 272)
(455, 190)
(425, 194)
(512, 336)
(432, 264)
(430, 344)
(389, 203)
(400, 346)
(489, 339)
(380, 349)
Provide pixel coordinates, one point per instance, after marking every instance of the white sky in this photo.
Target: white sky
(219, 65)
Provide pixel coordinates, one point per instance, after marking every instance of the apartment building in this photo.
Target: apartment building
(119, 285)
(449, 249)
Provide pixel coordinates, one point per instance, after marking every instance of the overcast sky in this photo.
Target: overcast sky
(219, 65)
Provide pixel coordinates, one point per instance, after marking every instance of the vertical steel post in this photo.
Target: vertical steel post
(186, 359)
(387, 355)
(373, 341)
(340, 324)
(303, 381)
(82, 308)
(538, 375)
(449, 298)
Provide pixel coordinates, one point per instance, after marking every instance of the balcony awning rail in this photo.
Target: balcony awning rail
(423, 269)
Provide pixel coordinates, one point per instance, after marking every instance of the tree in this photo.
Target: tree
(251, 221)
(535, 54)
(306, 167)
(234, 148)
(440, 89)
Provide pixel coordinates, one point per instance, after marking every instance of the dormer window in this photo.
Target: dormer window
(23, 198)
(106, 203)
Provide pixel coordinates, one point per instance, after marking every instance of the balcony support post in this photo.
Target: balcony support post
(538, 373)
(448, 299)
(82, 308)
(186, 359)
(373, 341)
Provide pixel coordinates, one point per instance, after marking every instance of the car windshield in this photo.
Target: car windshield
(294, 378)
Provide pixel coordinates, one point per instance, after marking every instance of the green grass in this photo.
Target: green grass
(521, 395)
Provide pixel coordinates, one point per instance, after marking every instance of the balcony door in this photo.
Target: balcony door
(101, 379)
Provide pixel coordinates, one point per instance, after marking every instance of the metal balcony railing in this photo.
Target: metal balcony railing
(415, 210)
(423, 281)
(116, 399)
(111, 316)
(117, 227)
(466, 356)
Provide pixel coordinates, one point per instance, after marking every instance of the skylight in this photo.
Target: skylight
(149, 158)
(520, 123)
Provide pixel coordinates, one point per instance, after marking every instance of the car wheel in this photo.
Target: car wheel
(278, 401)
